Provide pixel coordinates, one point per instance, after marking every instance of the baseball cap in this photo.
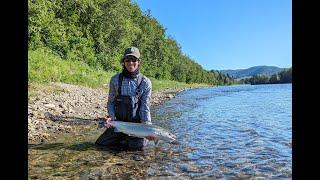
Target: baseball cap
(132, 51)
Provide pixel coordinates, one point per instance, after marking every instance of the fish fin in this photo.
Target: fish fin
(156, 141)
(116, 130)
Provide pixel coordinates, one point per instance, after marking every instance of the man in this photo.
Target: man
(129, 100)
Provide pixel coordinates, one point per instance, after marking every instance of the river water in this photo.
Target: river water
(224, 132)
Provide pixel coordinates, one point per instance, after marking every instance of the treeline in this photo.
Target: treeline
(284, 76)
(97, 32)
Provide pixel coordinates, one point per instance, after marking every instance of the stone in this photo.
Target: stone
(170, 96)
(48, 115)
(51, 106)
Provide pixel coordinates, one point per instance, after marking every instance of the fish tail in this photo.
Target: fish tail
(156, 141)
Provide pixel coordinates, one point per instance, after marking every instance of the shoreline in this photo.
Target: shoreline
(64, 108)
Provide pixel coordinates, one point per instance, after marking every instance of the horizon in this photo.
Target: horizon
(256, 66)
(228, 35)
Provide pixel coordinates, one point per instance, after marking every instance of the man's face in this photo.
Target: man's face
(131, 63)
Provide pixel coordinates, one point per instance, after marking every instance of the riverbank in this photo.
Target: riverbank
(60, 108)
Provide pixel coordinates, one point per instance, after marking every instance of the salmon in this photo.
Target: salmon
(143, 130)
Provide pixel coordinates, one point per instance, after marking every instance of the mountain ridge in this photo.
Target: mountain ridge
(251, 71)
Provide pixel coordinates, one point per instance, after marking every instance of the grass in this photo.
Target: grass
(158, 85)
(45, 67)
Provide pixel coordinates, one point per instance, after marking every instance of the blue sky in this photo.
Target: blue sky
(228, 34)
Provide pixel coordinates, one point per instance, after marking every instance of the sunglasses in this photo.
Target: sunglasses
(130, 60)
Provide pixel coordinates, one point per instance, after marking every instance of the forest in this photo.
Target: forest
(96, 32)
(284, 76)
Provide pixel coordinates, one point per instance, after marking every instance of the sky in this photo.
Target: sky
(228, 34)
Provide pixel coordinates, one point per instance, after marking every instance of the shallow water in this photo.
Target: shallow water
(226, 132)
(233, 131)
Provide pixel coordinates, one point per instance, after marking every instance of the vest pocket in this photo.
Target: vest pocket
(123, 108)
(127, 108)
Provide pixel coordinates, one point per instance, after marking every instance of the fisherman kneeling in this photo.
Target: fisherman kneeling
(129, 101)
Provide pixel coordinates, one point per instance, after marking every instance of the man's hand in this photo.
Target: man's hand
(151, 138)
(108, 122)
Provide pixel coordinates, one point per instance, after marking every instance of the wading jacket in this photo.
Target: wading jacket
(131, 92)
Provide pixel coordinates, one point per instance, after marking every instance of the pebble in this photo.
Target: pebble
(51, 106)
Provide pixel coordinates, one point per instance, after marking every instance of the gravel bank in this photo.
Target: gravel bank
(60, 111)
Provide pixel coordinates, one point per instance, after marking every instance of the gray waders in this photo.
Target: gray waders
(126, 109)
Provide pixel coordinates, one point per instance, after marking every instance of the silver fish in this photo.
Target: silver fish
(142, 130)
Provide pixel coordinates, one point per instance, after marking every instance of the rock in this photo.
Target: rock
(30, 114)
(71, 110)
(51, 106)
(62, 106)
(156, 102)
(41, 116)
(170, 96)
(48, 115)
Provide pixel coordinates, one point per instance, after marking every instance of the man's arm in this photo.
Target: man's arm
(111, 98)
(145, 103)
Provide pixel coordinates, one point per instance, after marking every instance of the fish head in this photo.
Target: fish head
(168, 135)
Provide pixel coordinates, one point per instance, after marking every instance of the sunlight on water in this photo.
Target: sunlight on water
(235, 131)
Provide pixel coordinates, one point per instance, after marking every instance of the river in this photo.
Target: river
(223, 132)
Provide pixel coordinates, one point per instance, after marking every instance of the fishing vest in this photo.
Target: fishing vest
(127, 107)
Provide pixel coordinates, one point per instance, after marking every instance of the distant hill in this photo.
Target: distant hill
(249, 72)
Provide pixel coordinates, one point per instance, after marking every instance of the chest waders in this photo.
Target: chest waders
(127, 107)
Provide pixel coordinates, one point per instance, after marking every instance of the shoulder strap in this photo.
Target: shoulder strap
(120, 83)
(140, 78)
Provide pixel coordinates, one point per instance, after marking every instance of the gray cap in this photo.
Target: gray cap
(132, 51)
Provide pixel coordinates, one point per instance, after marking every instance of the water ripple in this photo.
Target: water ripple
(238, 131)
